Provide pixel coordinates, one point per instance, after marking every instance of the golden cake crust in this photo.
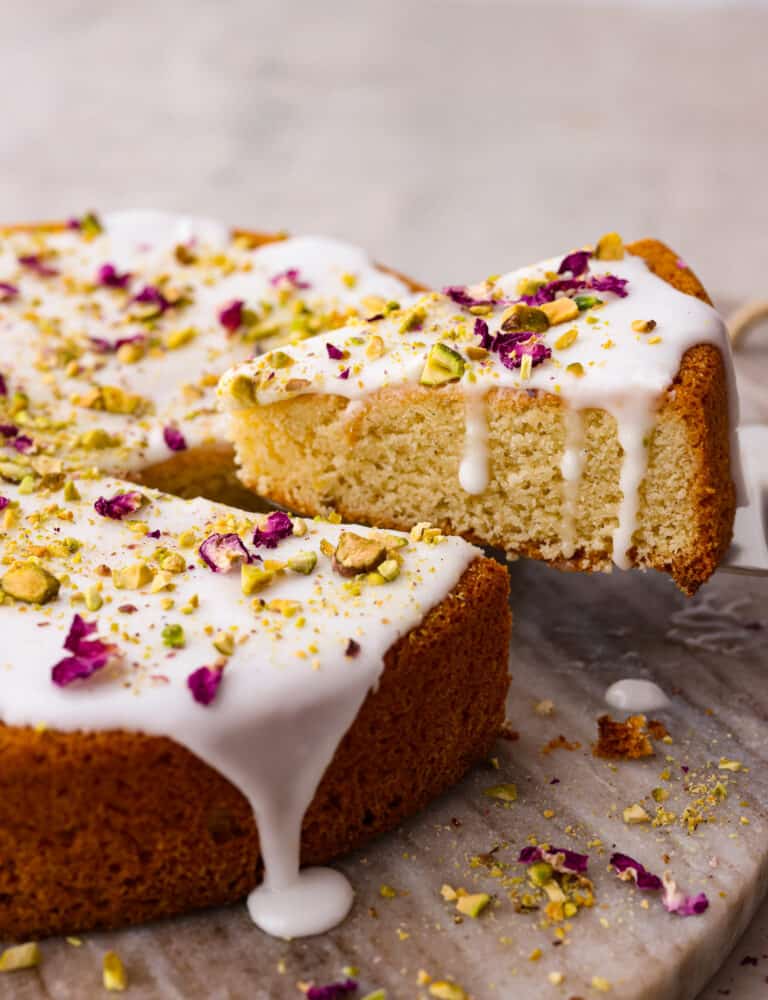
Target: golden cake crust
(692, 420)
(103, 829)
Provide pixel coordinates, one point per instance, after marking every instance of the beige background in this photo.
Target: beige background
(453, 138)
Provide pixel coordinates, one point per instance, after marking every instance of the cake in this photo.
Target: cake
(581, 411)
(195, 699)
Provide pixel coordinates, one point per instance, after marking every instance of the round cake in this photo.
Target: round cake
(197, 699)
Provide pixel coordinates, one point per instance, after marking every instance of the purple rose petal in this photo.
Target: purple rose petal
(344, 374)
(174, 438)
(333, 991)
(571, 861)
(87, 656)
(22, 443)
(461, 296)
(204, 684)
(631, 870)
(4, 501)
(103, 346)
(575, 263)
(291, 276)
(278, 527)
(3, 386)
(511, 353)
(481, 331)
(109, 277)
(334, 353)
(221, 553)
(35, 263)
(609, 283)
(7, 291)
(9, 430)
(151, 295)
(118, 506)
(231, 316)
(676, 901)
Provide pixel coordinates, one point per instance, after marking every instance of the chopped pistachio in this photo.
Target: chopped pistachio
(601, 984)
(507, 793)
(117, 400)
(540, 873)
(279, 359)
(375, 995)
(473, 904)
(20, 956)
(242, 388)
(174, 562)
(643, 325)
(129, 354)
(70, 491)
(389, 569)
(12, 472)
(730, 765)
(375, 347)
(173, 636)
(443, 365)
(303, 562)
(355, 554)
(178, 338)
(97, 439)
(567, 339)
(253, 577)
(30, 583)
(93, 598)
(132, 577)
(585, 302)
(187, 539)
(635, 814)
(224, 642)
(114, 975)
(284, 607)
(162, 581)
(523, 317)
(27, 485)
(560, 311)
(445, 990)
(575, 368)
(476, 353)
(610, 247)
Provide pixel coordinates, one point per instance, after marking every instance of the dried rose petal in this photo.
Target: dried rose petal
(151, 295)
(23, 443)
(204, 684)
(560, 858)
(35, 263)
(353, 648)
(7, 291)
(119, 505)
(4, 501)
(278, 527)
(344, 374)
(87, 656)
(3, 386)
(231, 316)
(481, 331)
(110, 277)
(333, 991)
(291, 276)
(334, 353)
(609, 283)
(550, 291)
(461, 296)
(103, 346)
(221, 553)
(9, 430)
(575, 263)
(174, 438)
(676, 901)
(634, 871)
(511, 353)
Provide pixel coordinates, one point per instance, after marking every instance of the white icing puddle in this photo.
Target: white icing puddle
(473, 470)
(314, 902)
(636, 695)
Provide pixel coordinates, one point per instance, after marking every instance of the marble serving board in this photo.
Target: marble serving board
(573, 637)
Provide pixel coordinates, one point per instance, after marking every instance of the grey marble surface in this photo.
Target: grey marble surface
(454, 139)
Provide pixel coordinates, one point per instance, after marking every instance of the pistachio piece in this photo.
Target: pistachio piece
(473, 903)
(303, 562)
(224, 642)
(174, 562)
(113, 973)
(173, 636)
(241, 389)
(279, 359)
(117, 400)
(566, 339)
(635, 814)
(523, 317)
(643, 325)
(178, 338)
(93, 598)
(70, 491)
(540, 873)
(30, 583)
(610, 247)
(443, 365)
(560, 311)
(475, 352)
(12, 472)
(375, 347)
(132, 577)
(585, 302)
(253, 577)
(355, 554)
(20, 956)
(389, 569)
(529, 286)
(98, 438)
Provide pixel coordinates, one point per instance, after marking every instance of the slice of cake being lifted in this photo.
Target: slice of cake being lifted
(581, 411)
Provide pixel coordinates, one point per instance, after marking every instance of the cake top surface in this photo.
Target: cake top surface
(594, 331)
(114, 330)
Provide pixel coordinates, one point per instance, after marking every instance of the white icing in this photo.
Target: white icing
(49, 312)
(626, 373)
(571, 466)
(288, 693)
(635, 695)
(473, 470)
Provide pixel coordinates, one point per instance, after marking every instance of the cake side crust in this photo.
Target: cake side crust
(112, 828)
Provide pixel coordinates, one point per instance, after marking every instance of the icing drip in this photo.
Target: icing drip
(634, 421)
(571, 467)
(473, 469)
(635, 695)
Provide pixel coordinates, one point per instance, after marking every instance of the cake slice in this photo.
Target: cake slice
(193, 697)
(581, 411)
